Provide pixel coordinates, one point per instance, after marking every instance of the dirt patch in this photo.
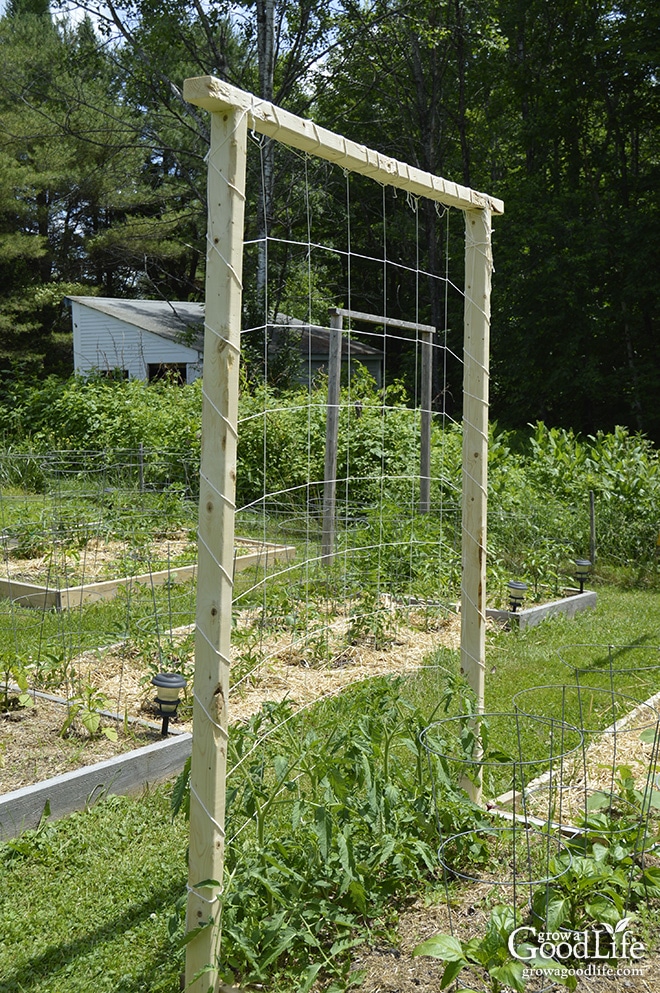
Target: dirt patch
(32, 748)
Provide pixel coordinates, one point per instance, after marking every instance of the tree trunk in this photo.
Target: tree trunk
(266, 55)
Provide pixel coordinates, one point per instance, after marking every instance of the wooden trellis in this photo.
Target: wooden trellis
(232, 113)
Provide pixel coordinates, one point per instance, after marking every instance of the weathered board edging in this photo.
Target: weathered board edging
(531, 616)
(33, 595)
(128, 773)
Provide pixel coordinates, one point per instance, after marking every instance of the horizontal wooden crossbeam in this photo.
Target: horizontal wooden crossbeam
(216, 96)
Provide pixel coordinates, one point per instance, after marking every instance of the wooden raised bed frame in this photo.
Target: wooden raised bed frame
(127, 773)
(529, 617)
(33, 595)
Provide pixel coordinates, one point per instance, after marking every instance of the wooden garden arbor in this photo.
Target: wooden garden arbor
(232, 113)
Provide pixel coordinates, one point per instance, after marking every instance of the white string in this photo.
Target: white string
(219, 828)
(223, 496)
(223, 417)
(216, 650)
(223, 730)
(213, 246)
(216, 561)
(227, 342)
(205, 899)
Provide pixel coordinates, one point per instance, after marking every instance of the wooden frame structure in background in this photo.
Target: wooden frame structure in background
(232, 113)
(427, 332)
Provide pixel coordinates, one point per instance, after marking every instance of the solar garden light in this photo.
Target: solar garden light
(582, 570)
(168, 685)
(517, 592)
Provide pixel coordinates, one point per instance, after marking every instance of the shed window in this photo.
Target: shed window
(174, 371)
(115, 373)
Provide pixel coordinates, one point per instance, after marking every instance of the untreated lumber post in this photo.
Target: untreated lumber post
(233, 111)
(425, 426)
(226, 197)
(478, 275)
(331, 439)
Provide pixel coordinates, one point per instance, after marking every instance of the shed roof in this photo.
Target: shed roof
(320, 339)
(171, 319)
(183, 322)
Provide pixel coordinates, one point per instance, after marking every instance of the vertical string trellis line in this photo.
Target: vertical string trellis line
(443, 446)
(349, 296)
(383, 414)
(413, 203)
(263, 264)
(308, 219)
(610, 668)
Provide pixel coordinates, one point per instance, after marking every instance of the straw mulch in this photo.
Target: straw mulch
(98, 559)
(289, 669)
(629, 744)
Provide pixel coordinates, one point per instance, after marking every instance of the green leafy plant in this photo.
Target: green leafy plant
(491, 955)
(15, 673)
(86, 708)
(331, 816)
(371, 622)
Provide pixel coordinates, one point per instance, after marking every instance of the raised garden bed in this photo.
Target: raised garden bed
(32, 747)
(569, 605)
(61, 795)
(289, 671)
(248, 553)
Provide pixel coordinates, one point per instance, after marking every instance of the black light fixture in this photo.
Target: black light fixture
(582, 570)
(517, 592)
(168, 684)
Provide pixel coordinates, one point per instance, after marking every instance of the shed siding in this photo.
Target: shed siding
(106, 343)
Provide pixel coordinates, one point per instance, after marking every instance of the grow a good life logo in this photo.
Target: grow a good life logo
(602, 950)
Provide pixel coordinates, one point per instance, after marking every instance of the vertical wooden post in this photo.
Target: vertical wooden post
(331, 439)
(478, 273)
(226, 196)
(425, 427)
(592, 528)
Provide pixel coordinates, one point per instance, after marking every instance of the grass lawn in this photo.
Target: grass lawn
(532, 657)
(85, 903)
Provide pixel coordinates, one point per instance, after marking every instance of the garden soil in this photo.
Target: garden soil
(32, 747)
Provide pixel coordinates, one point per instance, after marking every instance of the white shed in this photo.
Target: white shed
(147, 339)
(140, 339)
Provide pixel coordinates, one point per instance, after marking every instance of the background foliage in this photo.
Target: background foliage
(551, 106)
(540, 479)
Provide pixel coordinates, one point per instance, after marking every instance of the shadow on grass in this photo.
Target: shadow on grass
(59, 958)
